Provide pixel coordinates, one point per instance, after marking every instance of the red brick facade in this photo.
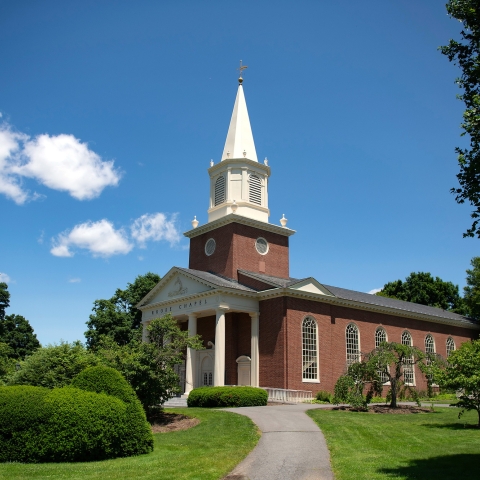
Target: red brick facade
(235, 250)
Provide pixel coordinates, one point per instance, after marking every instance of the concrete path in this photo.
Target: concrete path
(292, 447)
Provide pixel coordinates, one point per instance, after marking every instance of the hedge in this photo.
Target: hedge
(209, 397)
(106, 380)
(60, 425)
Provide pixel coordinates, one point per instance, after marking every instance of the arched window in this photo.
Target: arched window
(309, 349)
(255, 190)
(429, 344)
(450, 346)
(353, 347)
(380, 337)
(408, 370)
(219, 190)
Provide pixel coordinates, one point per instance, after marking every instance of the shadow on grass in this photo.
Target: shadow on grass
(452, 426)
(447, 467)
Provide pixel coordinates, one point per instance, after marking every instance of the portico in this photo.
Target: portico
(202, 306)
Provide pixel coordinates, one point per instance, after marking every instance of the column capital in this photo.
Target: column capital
(254, 314)
(221, 309)
(192, 315)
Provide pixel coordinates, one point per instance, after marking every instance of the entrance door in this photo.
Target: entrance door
(206, 360)
(243, 370)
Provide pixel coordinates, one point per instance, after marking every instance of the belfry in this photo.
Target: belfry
(260, 326)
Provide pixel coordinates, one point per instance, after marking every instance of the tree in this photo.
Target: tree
(15, 330)
(462, 373)
(7, 363)
(472, 290)
(350, 387)
(466, 54)
(390, 360)
(424, 289)
(149, 367)
(118, 317)
(54, 365)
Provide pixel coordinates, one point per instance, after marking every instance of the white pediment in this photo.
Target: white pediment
(177, 287)
(310, 285)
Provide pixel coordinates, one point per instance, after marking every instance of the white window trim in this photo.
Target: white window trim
(381, 327)
(311, 380)
(346, 343)
(414, 384)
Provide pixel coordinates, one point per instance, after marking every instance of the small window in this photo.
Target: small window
(408, 370)
(219, 190)
(353, 348)
(261, 245)
(429, 344)
(255, 190)
(450, 346)
(309, 350)
(210, 246)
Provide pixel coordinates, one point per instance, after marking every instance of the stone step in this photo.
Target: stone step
(176, 402)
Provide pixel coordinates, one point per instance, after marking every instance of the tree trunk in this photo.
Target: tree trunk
(393, 389)
(478, 411)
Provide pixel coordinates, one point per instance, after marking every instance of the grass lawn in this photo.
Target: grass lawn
(417, 446)
(208, 451)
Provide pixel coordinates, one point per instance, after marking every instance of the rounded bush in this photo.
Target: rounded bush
(209, 397)
(60, 425)
(106, 380)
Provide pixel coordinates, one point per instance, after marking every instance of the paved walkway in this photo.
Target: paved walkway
(291, 447)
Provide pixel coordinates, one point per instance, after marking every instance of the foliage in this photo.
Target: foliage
(212, 397)
(466, 54)
(53, 365)
(429, 446)
(118, 316)
(149, 367)
(323, 396)
(15, 330)
(350, 387)
(7, 364)
(462, 373)
(424, 289)
(208, 451)
(109, 381)
(59, 425)
(471, 293)
(390, 360)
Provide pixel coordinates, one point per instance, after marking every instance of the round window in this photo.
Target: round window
(210, 246)
(261, 245)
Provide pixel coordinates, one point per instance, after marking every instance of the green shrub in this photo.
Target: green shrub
(324, 396)
(109, 381)
(60, 425)
(209, 397)
(53, 366)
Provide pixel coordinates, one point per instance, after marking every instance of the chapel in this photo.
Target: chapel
(260, 326)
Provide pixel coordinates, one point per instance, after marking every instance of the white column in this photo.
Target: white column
(190, 369)
(254, 365)
(219, 370)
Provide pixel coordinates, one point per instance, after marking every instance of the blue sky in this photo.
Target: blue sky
(111, 112)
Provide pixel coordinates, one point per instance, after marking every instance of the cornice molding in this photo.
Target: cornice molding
(235, 161)
(233, 218)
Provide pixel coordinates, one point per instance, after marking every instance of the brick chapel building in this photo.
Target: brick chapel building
(260, 326)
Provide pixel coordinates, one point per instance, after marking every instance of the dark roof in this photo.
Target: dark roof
(397, 304)
(271, 280)
(216, 279)
(367, 298)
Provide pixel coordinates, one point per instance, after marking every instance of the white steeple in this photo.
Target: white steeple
(239, 143)
(239, 183)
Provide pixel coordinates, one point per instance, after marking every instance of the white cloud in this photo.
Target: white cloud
(155, 227)
(99, 238)
(4, 278)
(60, 162)
(41, 238)
(375, 290)
(74, 280)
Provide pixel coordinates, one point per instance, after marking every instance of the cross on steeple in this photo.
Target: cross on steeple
(241, 69)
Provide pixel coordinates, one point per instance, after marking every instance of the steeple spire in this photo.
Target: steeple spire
(239, 143)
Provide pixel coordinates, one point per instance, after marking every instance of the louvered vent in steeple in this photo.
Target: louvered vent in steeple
(220, 190)
(255, 190)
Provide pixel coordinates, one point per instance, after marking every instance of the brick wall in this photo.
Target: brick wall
(235, 249)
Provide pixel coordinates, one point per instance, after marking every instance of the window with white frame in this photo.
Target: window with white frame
(408, 367)
(219, 190)
(309, 349)
(450, 346)
(255, 190)
(380, 337)
(353, 346)
(429, 344)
